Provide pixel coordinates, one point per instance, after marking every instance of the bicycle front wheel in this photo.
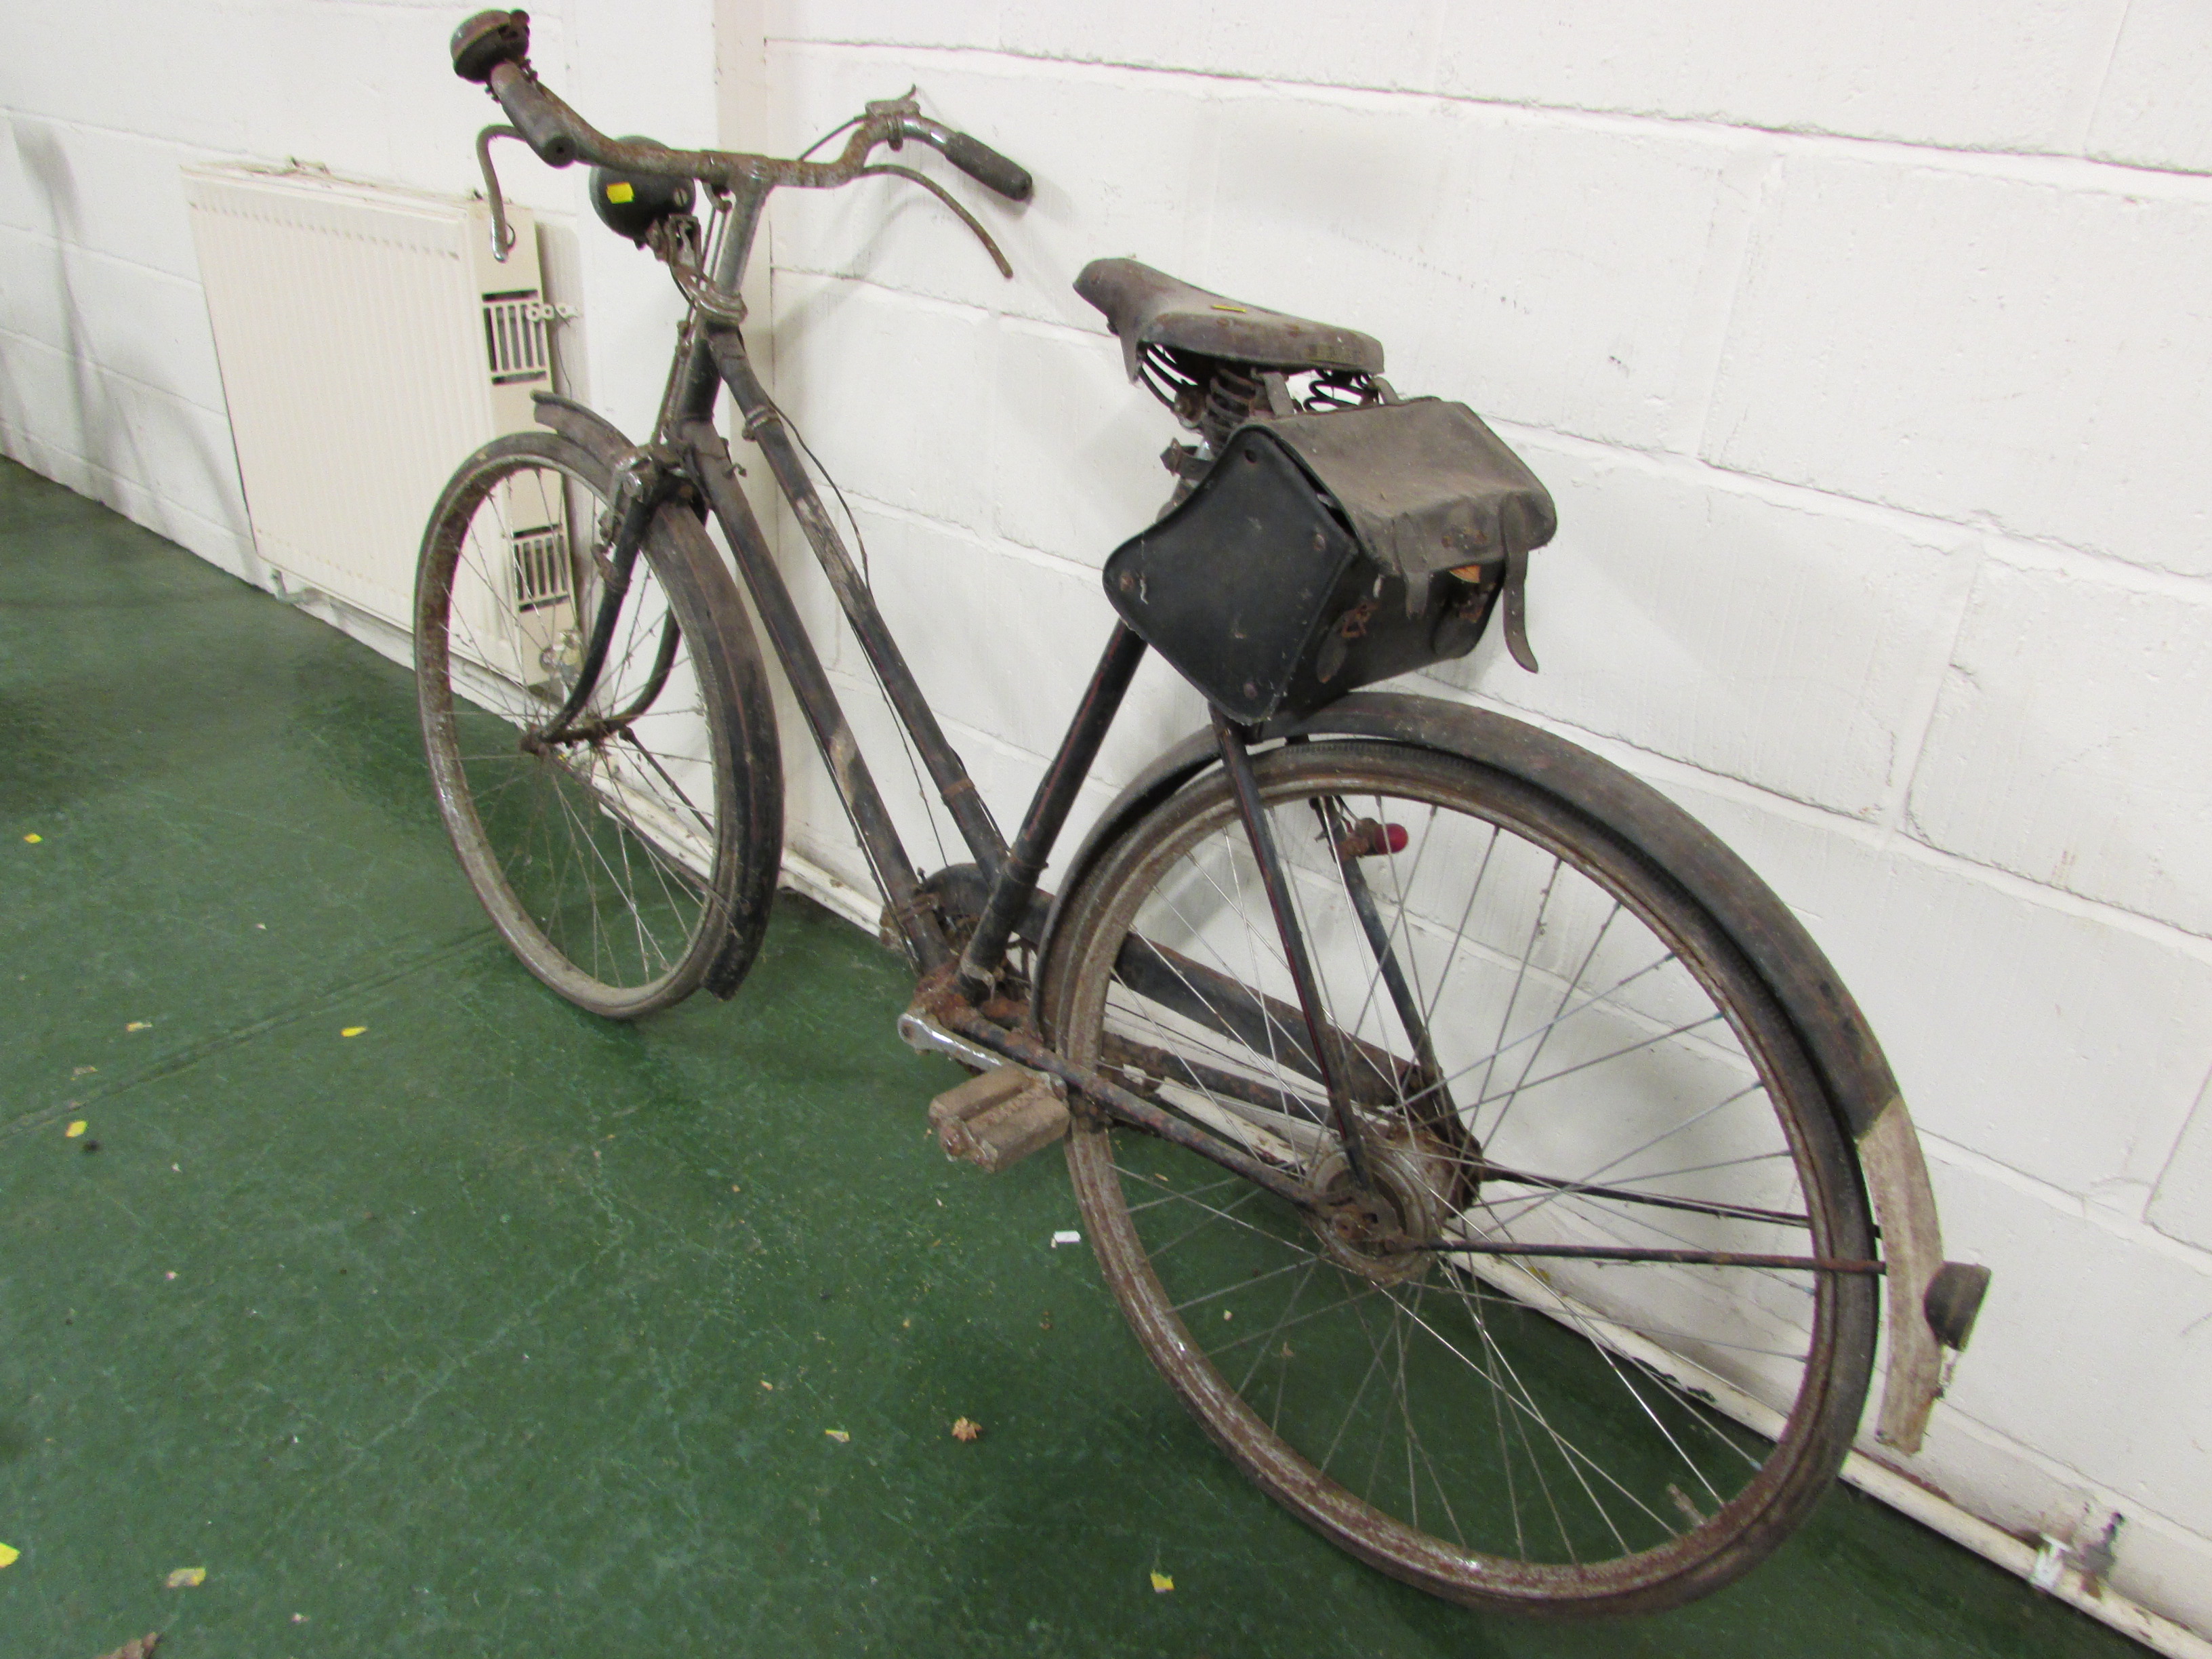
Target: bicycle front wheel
(1525, 1364)
(631, 856)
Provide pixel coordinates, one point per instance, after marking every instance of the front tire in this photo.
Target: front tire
(626, 868)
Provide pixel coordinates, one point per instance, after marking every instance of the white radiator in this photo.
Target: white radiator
(368, 341)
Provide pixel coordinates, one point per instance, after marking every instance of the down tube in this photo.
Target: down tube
(863, 803)
(764, 425)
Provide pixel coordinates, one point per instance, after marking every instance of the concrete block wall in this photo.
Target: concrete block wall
(1866, 358)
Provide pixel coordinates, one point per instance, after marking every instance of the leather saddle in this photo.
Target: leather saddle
(1144, 306)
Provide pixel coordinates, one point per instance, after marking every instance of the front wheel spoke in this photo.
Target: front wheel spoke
(674, 788)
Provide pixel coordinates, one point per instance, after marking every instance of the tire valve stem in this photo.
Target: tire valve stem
(1367, 839)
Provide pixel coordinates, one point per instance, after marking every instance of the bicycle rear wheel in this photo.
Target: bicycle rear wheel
(634, 859)
(1550, 1048)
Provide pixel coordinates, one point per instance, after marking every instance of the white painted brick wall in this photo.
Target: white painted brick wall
(2068, 743)
(2156, 108)
(2021, 347)
(2182, 1206)
(1865, 356)
(1864, 351)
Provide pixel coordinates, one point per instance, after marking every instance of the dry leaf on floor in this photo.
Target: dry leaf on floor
(141, 1649)
(10, 1555)
(967, 1428)
(353, 1031)
(770, 1386)
(74, 1129)
(82, 1071)
(1161, 1582)
(837, 1435)
(140, 1025)
(186, 1578)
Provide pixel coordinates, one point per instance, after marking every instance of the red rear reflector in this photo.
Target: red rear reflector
(1367, 839)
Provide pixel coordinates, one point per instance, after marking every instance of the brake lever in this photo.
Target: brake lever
(945, 195)
(502, 237)
(897, 111)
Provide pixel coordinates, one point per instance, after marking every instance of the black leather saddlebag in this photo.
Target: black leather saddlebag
(1322, 553)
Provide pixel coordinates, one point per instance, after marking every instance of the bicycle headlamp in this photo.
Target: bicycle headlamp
(631, 203)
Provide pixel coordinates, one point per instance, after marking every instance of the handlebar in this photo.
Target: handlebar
(536, 114)
(493, 48)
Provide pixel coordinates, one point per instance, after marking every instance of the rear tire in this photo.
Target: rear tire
(1537, 1433)
(628, 868)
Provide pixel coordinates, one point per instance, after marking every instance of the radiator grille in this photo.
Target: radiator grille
(514, 337)
(541, 567)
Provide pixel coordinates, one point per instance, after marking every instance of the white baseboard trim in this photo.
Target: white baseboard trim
(1992, 1543)
(801, 875)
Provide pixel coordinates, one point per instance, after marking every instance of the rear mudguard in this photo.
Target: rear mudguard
(1861, 1089)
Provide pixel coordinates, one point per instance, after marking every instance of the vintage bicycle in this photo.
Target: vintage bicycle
(1483, 1154)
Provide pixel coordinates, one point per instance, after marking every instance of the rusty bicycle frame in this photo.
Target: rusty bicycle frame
(954, 993)
(960, 1007)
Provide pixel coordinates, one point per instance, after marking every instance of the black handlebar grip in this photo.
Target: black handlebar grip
(989, 168)
(541, 123)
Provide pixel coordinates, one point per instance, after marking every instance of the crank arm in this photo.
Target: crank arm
(942, 1005)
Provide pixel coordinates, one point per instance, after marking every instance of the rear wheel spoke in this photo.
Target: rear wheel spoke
(1597, 1422)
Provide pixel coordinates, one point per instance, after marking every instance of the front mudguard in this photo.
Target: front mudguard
(754, 719)
(1931, 1303)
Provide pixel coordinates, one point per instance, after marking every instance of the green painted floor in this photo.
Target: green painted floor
(493, 1329)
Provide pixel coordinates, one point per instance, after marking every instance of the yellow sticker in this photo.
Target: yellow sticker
(10, 1555)
(353, 1031)
(1161, 1582)
(620, 191)
(187, 1578)
(34, 839)
(74, 1129)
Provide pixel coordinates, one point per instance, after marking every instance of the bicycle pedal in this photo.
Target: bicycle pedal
(998, 1119)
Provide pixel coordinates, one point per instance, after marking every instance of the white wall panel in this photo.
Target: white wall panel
(1787, 643)
(2155, 109)
(2069, 744)
(2056, 1042)
(2021, 352)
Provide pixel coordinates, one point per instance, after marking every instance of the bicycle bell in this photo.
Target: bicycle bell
(631, 203)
